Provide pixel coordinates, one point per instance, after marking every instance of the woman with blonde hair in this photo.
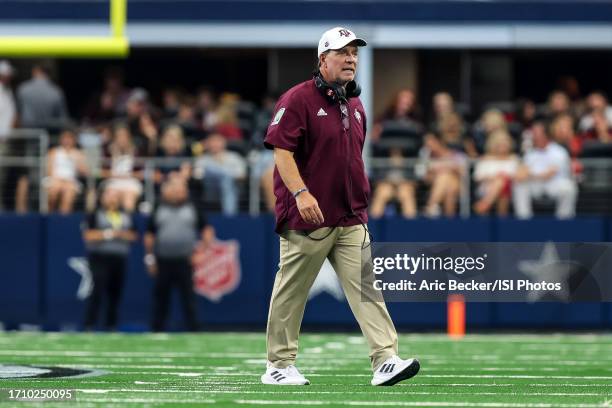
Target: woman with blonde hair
(64, 164)
(494, 173)
(122, 173)
(227, 123)
(493, 120)
(444, 169)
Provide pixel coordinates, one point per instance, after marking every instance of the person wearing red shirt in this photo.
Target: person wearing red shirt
(317, 134)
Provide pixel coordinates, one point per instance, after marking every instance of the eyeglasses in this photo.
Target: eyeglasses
(346, 122)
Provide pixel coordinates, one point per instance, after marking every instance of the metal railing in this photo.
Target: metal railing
(28, 148)
(382, 164)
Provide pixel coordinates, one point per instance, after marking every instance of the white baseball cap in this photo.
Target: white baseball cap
(337, 38)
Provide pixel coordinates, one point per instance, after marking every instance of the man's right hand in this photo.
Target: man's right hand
(309, 208)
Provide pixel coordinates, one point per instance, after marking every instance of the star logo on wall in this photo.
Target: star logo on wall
(81, 266)
(548, 268)
(327, 281)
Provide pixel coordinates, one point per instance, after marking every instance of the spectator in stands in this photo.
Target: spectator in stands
(121, 172)
(526, 116)
(41, 102)
(8, 117)
(403, 108)
(263, 117)
(263, 159)
(171, 100)
(445, 168)
(492, 120)
(111, 101)
(108, 233)
(525, 112)
(221, 169)
(173, 232)
(562, 132)
(443, 104)
(601, 131)
(206, 109)
(227, 123)
(65, 163)
(545, 172)
(264, 171)
(597, 102)
(494, 173)
(42, 93)
(569, 85)
(452, 131)
(174, 154)
(558, 103)
(398, 184)
(141, 123)
(106, 133)
(186, 115)
(8, 112)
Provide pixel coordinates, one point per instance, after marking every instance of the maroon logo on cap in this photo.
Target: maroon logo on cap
(344, 33)
(326, 44)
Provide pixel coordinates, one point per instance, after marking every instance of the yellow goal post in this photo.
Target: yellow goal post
(115, 45)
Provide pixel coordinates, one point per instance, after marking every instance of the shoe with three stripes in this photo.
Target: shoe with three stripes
(394, 370)
(283, 376)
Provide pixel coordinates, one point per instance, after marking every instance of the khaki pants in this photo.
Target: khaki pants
(301, 259)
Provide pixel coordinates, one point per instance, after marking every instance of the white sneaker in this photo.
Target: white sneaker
(394, 370)
(283, 376)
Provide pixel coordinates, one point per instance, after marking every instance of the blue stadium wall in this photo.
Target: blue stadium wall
(414, 11)
(37, 285)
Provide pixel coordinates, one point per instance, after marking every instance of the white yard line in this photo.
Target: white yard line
(583, 377)
(250, 358)
(309, 368)
(213, 374)
(211, 384)
(81, 353)
(297, 392)
(421, 404)
(146, 400)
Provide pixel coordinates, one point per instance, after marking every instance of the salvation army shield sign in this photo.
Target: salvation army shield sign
(216, 269)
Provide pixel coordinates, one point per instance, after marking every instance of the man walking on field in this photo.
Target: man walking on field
(322, 192)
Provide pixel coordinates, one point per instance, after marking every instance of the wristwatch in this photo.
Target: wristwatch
(300, 191)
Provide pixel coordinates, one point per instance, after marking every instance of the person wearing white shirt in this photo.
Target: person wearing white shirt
(546, 171)
(7, 100)
(222, 169)
(8, 113)
(494, 173)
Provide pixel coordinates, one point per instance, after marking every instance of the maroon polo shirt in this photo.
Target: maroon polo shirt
(328, 157)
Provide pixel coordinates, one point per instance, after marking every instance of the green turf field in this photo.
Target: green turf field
(223, 370)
